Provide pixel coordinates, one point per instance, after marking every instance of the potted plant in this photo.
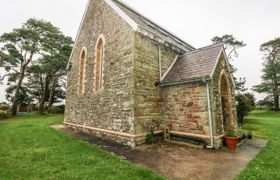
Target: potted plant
(231, 139)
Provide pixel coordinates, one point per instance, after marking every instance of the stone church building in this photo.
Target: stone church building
(128, 75)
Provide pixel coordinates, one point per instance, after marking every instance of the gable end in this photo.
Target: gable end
(122, 14)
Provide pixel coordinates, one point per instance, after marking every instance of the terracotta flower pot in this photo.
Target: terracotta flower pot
(231, 142)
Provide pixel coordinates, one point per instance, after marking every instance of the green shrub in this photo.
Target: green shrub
(249, 135)
(4, 111)
(266, 103)
(150, 139)
(243, 107)
(251, 99)
(232, 133)
(242, 133)
(4, 115)
(4, 107)
(56, 109)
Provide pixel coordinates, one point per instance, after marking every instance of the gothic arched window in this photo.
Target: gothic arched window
(99, 63)
(82, 64)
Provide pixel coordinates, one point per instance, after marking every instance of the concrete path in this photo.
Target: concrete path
(181, 162)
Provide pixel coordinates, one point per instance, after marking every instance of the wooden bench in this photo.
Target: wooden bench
(22, 113)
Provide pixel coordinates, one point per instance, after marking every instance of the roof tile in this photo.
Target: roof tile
(195, 64)
(152, 27)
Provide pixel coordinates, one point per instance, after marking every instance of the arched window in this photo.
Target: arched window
(99, 63)
(82, 64)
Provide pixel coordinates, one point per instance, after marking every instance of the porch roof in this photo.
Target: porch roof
(196, 64)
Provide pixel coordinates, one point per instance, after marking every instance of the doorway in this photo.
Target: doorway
(226, 103)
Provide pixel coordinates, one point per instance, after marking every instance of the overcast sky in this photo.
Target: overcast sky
(195, 21)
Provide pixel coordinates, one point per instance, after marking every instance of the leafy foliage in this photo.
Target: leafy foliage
(271, 72)
(231, 133)
(23, 95)
(251, 99)
(150, 138)
(244, 106)
(48, 75)
(240, 85)
(4, 106)
(56, 109)
(38, 47)
(4, 111)
(231, 44)
(266, 103)
(3, 116)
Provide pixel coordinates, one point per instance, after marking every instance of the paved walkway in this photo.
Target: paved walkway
(181, 162)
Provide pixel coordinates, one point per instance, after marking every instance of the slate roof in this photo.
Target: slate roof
(151, 27)
(194, 65)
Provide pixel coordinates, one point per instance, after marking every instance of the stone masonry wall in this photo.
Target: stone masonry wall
(185, 107)
(130, 101)
(147, 102)
(110, 108)
(216, 96)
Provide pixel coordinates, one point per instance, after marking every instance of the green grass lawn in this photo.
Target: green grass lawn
(266, 165)
(30, 149)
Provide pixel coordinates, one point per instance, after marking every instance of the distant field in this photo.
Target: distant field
(266, 165)
(30, 149)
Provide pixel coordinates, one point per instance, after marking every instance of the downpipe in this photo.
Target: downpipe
(159, 62)
(211, 146)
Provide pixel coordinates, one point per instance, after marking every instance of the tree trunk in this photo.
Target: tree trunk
(275, 93)
(51, 98)
(21, 76)
(44, 94)
(276, 102)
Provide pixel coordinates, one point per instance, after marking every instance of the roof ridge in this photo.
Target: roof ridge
(152, 22)
(203, 48)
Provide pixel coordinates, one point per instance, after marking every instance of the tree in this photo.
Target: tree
(231, 45)
(33, 42)
(46, 75)
(267, 103)
(24, 98)
(240, 85)
(271, 71)
(251, 98)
